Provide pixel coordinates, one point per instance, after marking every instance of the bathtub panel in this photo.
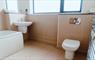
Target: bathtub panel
(10, 45)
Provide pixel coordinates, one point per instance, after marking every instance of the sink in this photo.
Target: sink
(22, 26)
(23, 23)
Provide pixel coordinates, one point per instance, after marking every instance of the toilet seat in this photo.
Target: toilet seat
(71, 44)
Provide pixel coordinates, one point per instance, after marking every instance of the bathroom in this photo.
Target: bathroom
(45, 35)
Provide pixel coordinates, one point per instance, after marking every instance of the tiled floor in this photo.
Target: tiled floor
(41, 51)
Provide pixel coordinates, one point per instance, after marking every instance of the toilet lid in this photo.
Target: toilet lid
(71, 43)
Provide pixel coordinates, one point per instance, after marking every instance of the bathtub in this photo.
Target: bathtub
(10, 42)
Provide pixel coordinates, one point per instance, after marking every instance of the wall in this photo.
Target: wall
(53, 29)
(4, 21)
(88, 5)
(44, 28)
(15, 18)
(79, 32)
(0, 21)
(7, 20)
(2, 6)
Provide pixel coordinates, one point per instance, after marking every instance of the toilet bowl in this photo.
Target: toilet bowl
(70, 46)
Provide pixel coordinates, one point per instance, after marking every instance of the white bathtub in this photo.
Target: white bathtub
(10, 42)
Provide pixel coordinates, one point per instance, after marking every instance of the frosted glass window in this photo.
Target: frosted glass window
(12, 5)
(46, 6)
(72, 5)
(31, 6)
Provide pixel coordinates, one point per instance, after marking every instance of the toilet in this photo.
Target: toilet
(70, 46)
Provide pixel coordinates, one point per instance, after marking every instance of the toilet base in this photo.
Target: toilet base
(69, 55)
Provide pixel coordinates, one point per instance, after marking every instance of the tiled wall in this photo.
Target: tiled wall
(4, 21)
(53, 29)
(44, 28)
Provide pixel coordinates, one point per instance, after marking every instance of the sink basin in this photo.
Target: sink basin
(22, 26)
(23, 23)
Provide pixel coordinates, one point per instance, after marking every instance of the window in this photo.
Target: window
(12, 5)
(31, 6)
(45, 6)
(72, 5)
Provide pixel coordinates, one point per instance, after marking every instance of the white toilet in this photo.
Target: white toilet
(70, 46)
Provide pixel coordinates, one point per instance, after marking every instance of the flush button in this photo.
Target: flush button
(75, 20)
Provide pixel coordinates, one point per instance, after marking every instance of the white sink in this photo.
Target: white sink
(22, 26)
(23, 23)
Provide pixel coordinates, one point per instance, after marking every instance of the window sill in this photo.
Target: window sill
(74, 13)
